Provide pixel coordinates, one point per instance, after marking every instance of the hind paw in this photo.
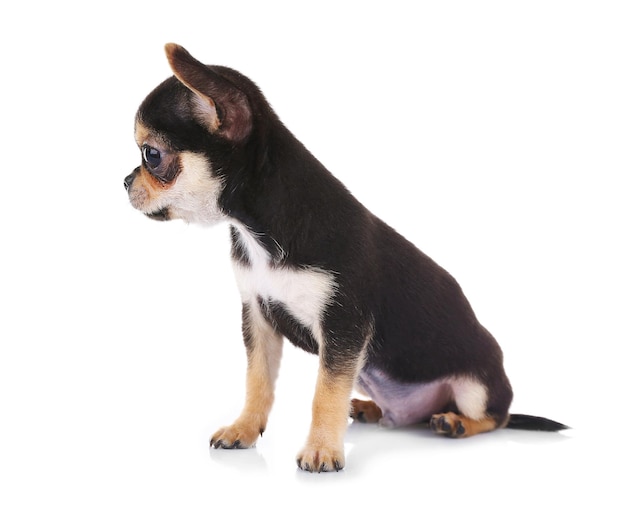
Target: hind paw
(449, 424)
(460, 426)
(365, 411)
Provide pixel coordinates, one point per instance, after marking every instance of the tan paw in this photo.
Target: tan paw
(460, 426)
(236, 436)
(321, 459)
(365, 411)
(449, 424)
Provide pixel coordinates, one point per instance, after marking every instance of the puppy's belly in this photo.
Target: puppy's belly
(403, 403)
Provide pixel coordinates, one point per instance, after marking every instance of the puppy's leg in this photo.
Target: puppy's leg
(323, 451)
(264, 350)
(338, 369)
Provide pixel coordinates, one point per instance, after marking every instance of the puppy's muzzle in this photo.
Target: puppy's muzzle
(128, 181)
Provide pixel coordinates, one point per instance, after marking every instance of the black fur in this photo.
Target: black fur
(280, 318)
(419, 323)
(526, 422)
(424, 326)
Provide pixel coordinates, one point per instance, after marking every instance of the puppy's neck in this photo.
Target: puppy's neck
(254, 249)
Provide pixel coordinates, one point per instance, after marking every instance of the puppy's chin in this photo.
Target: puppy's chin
(160, 215)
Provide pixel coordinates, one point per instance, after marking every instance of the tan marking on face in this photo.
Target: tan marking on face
(191, 196)
(144, 192)
(144, 135)
(141, 133)
(154, 185)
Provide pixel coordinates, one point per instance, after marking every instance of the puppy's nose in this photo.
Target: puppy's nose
(128, 181)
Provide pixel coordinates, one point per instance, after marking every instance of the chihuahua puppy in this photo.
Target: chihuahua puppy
(315, 266)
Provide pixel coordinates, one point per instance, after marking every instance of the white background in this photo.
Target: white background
(492, 134)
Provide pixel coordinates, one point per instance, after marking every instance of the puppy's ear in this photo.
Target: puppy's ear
(219, 105)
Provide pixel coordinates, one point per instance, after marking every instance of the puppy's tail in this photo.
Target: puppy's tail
(526, 422)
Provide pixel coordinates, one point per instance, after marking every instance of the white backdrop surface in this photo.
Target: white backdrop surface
(491, 134)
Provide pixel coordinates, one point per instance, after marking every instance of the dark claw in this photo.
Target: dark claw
(305, 467)
(337, 466)
(435, 423)
(460, 429)
(445, 425)
(217, 444)
(322, 468)
(440, 424)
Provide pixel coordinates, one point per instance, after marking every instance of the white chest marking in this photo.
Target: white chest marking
(304, 292)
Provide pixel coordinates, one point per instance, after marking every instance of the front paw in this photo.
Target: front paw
(321, 459)
(236, 436)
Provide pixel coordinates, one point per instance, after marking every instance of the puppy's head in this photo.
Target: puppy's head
(185, 130)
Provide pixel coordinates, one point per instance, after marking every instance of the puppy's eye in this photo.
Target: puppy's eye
(151, 156)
